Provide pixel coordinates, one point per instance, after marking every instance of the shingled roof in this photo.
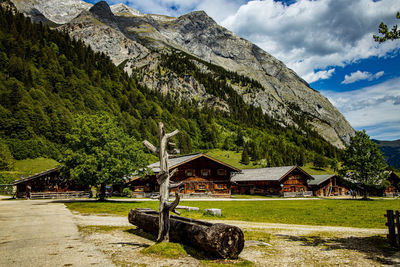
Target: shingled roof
(319, 179)
(174, 162)
(266, 174)
(35, 176)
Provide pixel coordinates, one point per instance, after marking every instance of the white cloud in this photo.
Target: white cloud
(375, 108)
(361, 75)
(310, 35)
(320, 75)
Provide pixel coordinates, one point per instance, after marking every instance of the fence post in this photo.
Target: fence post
(392, 229)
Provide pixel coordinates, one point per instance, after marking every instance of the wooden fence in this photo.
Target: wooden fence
(59, 195)
(298, 194)
(393, 224)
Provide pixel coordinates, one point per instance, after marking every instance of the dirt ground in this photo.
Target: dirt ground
(46, 233)
(288, 245)
(42, 233)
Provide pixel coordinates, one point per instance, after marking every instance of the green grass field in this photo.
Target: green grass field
(351, 213)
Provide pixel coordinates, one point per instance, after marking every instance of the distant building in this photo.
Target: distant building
(198, 174)
(328, 185)
(286, 181)
(48, 184)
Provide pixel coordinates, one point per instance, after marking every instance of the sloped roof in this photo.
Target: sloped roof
(266, 174)
(35, 176)
(319, 179)
(177, 161)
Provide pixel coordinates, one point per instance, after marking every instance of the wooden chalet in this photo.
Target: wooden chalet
(198, 174)
(328, 185)
(286, 181)
(48, 184)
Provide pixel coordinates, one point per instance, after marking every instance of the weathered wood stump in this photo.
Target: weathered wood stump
(220, 240)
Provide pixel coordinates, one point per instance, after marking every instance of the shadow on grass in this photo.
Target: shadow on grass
(375, 248)
(193, 252)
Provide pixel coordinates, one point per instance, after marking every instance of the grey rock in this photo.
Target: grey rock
(188, 208)
(214, 212)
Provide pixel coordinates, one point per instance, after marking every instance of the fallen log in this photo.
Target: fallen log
(220, 240)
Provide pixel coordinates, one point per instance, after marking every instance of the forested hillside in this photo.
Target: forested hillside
(46, 79)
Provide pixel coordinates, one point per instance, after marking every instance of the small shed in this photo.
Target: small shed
(328, 185)
(288, 180)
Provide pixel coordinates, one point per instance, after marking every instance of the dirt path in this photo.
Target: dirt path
(41, 233)
(288, 245)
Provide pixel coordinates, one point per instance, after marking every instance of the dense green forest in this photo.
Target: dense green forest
(47, 78)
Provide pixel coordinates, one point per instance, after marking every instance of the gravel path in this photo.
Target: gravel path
(41, 233)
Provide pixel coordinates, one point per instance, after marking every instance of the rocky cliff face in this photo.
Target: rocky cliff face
(138, 40)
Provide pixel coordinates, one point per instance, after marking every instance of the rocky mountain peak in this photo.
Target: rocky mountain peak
(199, 16)
(121, 9)
(56, 11)
(102, 12)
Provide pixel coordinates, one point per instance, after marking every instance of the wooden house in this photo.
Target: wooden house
(48, 184)
(328, 185)
(287, 181)
(198, 174)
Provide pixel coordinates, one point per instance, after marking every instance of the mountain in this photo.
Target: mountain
(139, 41)
(391, 151)
(48, 79)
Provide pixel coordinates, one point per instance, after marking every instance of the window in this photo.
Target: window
(205, 172)
(139, 189)
(201, 187)
(220, 186)
(189, 172)
(221, 172)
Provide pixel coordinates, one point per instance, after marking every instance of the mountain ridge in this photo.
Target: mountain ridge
(139, 40)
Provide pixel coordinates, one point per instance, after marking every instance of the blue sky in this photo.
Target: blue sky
(327, 42)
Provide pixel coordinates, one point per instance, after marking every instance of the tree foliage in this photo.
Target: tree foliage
(363, 162)
(100, 153)
(388, 35)
(6, 159)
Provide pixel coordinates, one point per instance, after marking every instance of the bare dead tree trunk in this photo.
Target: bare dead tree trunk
(163, 179)
(217, 239)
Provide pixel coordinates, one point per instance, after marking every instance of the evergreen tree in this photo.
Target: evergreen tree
(320, 161)
(245, 156)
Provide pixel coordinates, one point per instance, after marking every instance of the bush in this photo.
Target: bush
(127, 192)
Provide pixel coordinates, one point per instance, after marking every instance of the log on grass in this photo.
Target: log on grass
(220, 240)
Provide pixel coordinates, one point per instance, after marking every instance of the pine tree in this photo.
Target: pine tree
(245, 156)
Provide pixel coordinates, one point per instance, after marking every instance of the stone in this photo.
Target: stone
(214, 212)
(188, 208)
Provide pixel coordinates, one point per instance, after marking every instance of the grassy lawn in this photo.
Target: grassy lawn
(32, 166)
(351, 213)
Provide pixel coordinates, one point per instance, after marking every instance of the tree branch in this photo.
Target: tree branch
(169, 135)
(173, 205)
(150, 146)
